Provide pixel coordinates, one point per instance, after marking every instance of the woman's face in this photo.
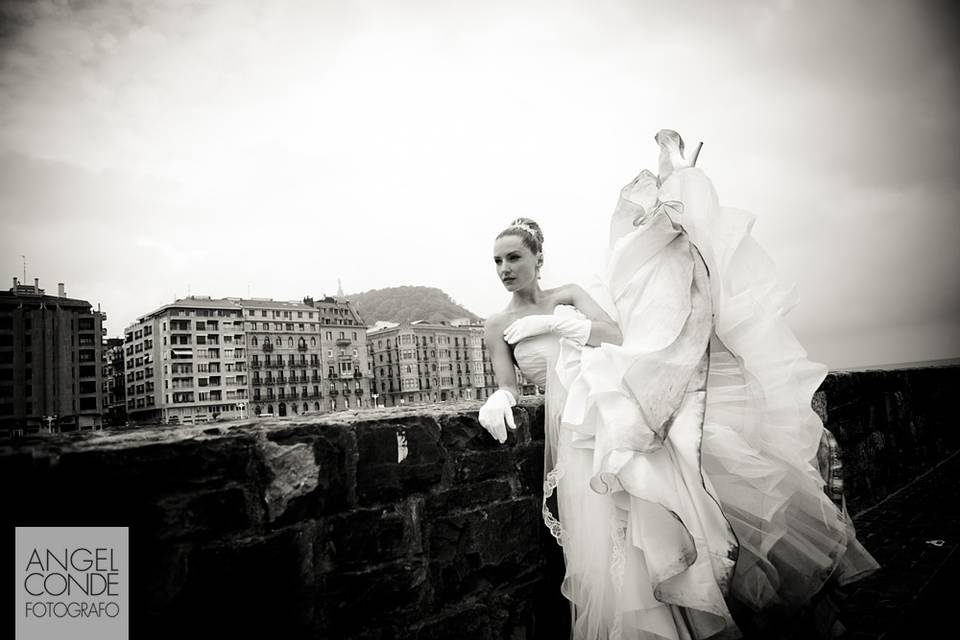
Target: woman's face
(516, 263)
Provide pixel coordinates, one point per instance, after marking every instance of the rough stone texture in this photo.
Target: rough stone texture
(381, 524)
(891, 425)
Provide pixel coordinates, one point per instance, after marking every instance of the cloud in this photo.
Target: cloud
(147, 146)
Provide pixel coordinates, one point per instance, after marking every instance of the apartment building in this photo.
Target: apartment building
(186, 363)
(114, 383)
(348, 380)
(200, 359)
(50, 355)
(429, 362)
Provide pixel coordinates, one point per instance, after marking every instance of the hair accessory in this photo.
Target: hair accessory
(527, 228)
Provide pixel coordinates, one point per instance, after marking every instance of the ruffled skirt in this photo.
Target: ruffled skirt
(684, 461)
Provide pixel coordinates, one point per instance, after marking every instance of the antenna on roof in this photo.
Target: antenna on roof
(24, 268)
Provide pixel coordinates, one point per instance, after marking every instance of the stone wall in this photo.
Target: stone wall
(892, 426)
(399, 523)
(376, 524)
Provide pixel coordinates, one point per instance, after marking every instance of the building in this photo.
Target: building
(114, 383)
(305, 357)
(186, 363)
(429, 362)
(348, 380)
(50, 355)
(200, 359)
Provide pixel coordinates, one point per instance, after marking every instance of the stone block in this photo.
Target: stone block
(205, 513)
(354, 602)
(474, 466)
(467, 496)
(256, 586)
(473, 551)
(308, 471)
(398, 458)
(462, 432)
(367, 537)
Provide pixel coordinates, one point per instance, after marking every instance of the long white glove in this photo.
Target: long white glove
(495, 411)
(575, 329)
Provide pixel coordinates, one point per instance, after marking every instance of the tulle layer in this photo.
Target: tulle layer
(685, 459)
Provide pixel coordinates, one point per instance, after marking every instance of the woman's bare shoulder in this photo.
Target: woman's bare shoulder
(498, 320)
(565, 293)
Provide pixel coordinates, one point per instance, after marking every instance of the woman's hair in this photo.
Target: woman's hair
(528, 231)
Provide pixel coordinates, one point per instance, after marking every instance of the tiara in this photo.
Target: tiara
(525, 227)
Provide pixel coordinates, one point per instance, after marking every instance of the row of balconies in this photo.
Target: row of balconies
(290, 396)
(292, 380)
(281, 365)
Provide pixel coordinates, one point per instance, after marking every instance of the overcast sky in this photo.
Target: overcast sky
(149, 149)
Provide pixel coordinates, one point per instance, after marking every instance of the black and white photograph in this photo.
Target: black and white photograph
(520, 320)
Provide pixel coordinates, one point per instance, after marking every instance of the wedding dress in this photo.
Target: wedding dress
(684, 461)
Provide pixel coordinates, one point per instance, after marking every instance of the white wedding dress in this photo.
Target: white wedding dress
(684, 461)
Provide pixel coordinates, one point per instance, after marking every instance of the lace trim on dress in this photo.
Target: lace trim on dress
(549, 486)
(618, 563)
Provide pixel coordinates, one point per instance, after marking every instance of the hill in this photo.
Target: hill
(406, 304)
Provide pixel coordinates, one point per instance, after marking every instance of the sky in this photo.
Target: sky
(155, 149)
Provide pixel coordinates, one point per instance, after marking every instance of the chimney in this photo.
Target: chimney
(36, 285)
(15, 283)
(60, 291)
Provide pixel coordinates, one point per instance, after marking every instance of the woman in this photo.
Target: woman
(679, 435)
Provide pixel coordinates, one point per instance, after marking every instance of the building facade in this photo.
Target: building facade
(348, 379)
(200, 359)
(429, 362)
(114, 383)
(50, 361)
(186, 363)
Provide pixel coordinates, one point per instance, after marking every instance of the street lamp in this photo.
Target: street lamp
(242, 406)
(375, 396)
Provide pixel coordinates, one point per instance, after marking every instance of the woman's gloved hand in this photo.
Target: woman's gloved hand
(574, 329)
(497, 410)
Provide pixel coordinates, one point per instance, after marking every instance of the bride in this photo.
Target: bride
(680, 441)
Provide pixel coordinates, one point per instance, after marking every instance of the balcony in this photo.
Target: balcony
(301, 347)
(267, 346)
(344, 342)
(255, 364)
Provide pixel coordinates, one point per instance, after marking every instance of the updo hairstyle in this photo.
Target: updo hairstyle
(528, 231)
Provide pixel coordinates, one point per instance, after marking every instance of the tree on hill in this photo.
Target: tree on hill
(406, 304)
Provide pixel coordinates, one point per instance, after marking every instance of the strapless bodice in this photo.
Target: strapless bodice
(535, 354)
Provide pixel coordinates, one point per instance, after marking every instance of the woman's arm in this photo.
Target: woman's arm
(602, 327)
(500, 356)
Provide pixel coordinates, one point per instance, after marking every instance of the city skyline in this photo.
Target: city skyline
(247, 150)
